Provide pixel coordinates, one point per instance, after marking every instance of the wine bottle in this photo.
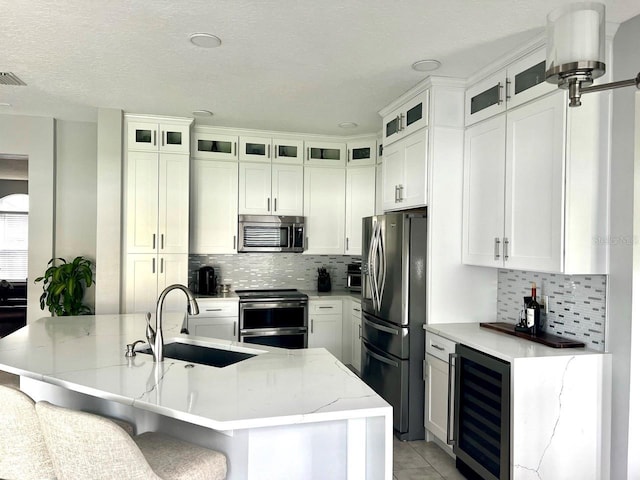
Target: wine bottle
(533, 311)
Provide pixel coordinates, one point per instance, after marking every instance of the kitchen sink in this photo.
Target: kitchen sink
(214, 357)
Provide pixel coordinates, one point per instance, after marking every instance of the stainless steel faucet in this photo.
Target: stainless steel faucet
(154, 337)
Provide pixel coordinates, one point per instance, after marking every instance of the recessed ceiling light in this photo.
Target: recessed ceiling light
(426, 65)
(202, 113)
(205, 40)
(4, 104)
(348, 125)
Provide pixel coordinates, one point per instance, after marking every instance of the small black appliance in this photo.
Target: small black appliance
(207, 281)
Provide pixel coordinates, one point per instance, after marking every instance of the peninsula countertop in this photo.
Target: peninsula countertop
(276, 387)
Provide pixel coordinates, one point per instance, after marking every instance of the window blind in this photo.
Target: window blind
(14, 246)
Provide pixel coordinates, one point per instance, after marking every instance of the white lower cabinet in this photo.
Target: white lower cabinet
(217, 319)
(324, 210)
(147, 275)
(325, 325)
(214, 207)
(356, 334)
(436, 409)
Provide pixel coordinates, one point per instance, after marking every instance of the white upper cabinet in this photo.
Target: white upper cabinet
(521, 179)
(521, 81)
(362, 152)
(409, 118)
(214, 146)
(214, 211)
(255, 149)
(163, 137)
(324, 210)
(266, 189)
(267, 149)
(288, 151)
(404, 173)
(360, 203)
(325, 154)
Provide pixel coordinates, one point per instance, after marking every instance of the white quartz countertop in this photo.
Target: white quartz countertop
(500, 345)
(276, 387)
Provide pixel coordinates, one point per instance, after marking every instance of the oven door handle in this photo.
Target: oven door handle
(271, 305)
(270, 332)
(380, 327)
(380, 358)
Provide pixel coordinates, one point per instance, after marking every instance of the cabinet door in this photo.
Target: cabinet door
(326, 331)
(172, 269)
(327, 154)
(391, 126)
(415, 113)
(392, 175)
(255, 149)
(142, 202)
(436, 395)
(173, 203)
(221, 328)
(213, 146)
(254, 189)
(356, 337)
(526, 79)
(360, 202)
(413, 188)
(379, 187)
(534, 185)
(142, 136)
(286, 189)
(361, 153)
(324, 209)
(141, 283)
(288, 151)
(483, 202)
(485, 98)
(214, 207)
(174, 138)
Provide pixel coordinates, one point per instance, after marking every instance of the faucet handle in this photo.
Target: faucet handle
(130, 348)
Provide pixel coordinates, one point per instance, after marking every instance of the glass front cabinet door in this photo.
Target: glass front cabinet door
(486, 98)
(403, 121)
(158, 137)
(361, 152)
(213, 146)
(288, 151)
(325, 154)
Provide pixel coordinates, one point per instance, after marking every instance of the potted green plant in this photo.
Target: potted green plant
(64, 285)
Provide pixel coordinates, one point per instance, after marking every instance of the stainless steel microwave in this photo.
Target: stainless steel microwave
(270, 233)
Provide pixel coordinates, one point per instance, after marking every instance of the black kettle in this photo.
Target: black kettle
(207, 281)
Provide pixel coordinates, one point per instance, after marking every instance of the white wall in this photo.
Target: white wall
(75, 214)
(626, 62)
(34, 137)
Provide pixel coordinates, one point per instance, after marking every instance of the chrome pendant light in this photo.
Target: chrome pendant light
(576, 50)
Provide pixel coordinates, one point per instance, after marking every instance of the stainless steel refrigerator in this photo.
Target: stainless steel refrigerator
(394, 256)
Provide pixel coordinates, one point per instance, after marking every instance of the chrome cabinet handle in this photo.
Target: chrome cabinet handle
(500, 90)
(306, 243)
(234, 242)
(234, 148)
(162, 241)
(325, 307)
(312, 325)
(396, 196)
(450, 438)
(400, 189)
(506, 248)
(153, 265)
(268, 204)
(437, 347)
(308, 153)
(348, 155)
(163, 137)
(154, 242)
(234, 328)
(275, 204)
(213, 310)
(400, 118)
(359, 331)
(496, 248)
(162, 265)
(268, 151)
(154, 137)
(275, 151)
(507, 83)
(347, 246)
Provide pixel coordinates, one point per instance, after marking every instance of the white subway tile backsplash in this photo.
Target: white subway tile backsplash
(577, 303)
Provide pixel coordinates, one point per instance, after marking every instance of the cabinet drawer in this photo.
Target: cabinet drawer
(209, 308)
(439, 347)
(356, 308)
(330, 307)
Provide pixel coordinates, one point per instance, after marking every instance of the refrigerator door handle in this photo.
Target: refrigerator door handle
(382, 328)
(380, 358)
(374, 267)
(383, 262)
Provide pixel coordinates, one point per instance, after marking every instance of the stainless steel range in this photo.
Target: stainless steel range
(277, 318)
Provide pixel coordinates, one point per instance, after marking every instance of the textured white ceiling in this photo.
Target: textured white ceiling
(283, 65)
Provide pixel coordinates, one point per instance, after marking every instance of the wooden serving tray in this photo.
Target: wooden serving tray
(544, 338)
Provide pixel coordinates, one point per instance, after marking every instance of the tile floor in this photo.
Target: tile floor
(420, 460)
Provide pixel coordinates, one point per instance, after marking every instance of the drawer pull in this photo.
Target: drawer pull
(213, 309)
(437, 347)
(327, 307)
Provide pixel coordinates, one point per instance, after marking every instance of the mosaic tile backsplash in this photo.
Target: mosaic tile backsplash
(577, 303)
(274, 270)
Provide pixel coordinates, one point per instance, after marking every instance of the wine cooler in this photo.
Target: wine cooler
(481, 439)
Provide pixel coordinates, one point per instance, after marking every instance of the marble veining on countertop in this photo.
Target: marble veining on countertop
(500, 345)
(275, 387)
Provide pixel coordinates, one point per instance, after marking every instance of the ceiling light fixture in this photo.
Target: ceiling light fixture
(205, 40)
(576, 50)
(348, 125)
(202, 113)
(426, 65)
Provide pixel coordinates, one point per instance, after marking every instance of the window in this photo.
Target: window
(14, 233)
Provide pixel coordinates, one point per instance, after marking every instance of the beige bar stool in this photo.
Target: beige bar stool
(83, 445)
(23, 452)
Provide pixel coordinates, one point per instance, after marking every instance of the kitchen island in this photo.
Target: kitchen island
(280, 414)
